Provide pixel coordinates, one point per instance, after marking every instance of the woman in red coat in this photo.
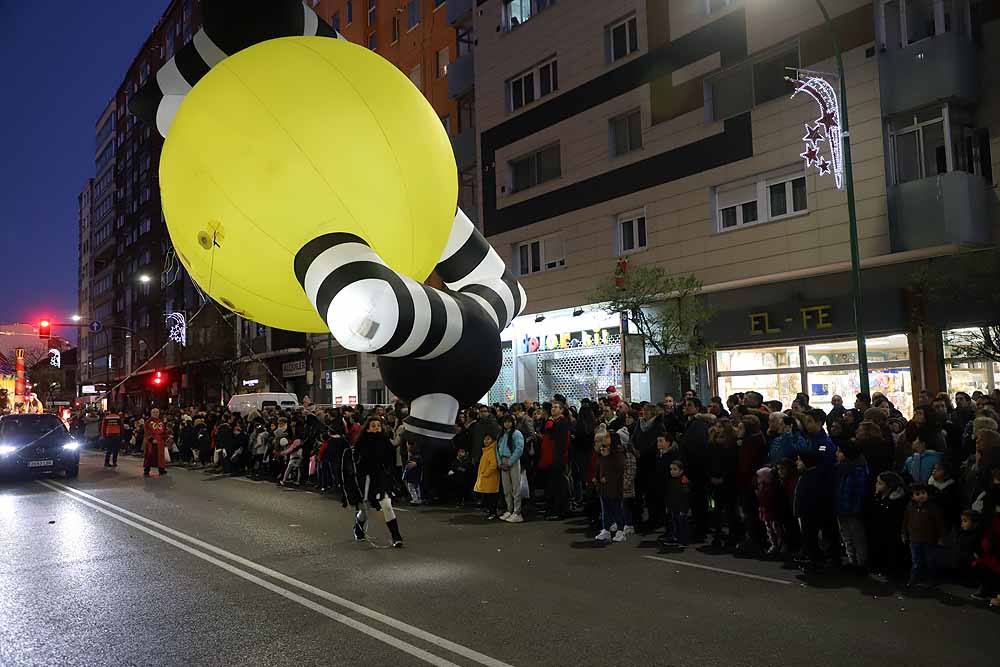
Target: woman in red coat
(153, 442)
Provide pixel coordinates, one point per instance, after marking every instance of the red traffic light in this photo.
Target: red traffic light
(44, 329)
(158, 378)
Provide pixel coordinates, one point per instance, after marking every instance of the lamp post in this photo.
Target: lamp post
(851, 208)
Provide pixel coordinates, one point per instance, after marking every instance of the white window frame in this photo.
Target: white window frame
(611, 132)
(534, 8)
(788, 182)
(546, 245)
(632, 218)
(760, 186)
(963, 8)
(918, 128)
(535, 73)
(630, 49)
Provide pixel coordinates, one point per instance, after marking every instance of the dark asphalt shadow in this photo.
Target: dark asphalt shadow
(649, 544)
(589, 544)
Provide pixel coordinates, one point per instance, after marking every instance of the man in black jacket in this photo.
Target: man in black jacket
(694, 450)
(649, 428)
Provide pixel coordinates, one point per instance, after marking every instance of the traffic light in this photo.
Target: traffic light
(158, 379)
(44, 329)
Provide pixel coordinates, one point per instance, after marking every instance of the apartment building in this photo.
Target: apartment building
(666, 133)
(85, 270)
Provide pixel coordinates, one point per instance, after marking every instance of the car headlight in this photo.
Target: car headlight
(7, 449)
(72, 445)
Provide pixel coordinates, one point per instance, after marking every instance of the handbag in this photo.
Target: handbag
(525, 491)
(312, 465)
(166, 454)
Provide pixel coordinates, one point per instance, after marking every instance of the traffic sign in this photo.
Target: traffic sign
(95, 326)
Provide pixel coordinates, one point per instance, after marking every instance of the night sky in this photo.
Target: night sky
(61, 62)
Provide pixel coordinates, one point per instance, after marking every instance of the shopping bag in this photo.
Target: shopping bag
(312, 465)
(166, 454)
(525, 491)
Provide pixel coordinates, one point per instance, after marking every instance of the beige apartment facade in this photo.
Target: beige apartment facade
(665, 133)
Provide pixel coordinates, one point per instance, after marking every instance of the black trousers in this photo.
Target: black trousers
(111, 451)
(556, 490)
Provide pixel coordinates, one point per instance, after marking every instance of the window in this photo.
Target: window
(372, 42)
(919, 146)
(350, 12)
(335, 21)
(622, 39)
(416, 78)
(371, 13)
(631, 232)
(741, 88)
(146, 258)
(540, 255)
(905, 22)
(442, 63)
(467, 113)
(446, 122)
(412, 14)
(761, 199)
(464, 41)
(713, 6)
(144, 225)
(626, 133)
(528, 86)
(395, 29)
(536, 168)
(516, 12)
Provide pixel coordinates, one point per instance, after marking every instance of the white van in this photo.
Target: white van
(247, 403)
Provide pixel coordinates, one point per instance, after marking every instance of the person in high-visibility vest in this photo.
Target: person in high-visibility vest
(111, 433)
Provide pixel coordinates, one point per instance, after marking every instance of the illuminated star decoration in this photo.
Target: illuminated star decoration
(177, 326)
(55, 357)
(827, 124)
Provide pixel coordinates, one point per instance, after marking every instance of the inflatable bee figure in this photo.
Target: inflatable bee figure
(308, 185)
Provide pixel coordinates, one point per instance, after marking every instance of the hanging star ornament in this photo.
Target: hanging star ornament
(811, 156)
(814, 135)
(828, 120)
(824, 166)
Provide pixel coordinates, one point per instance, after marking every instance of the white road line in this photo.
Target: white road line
(428, 637)
(305, 602)
(746, 575)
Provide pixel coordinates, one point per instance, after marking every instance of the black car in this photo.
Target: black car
(37, 444)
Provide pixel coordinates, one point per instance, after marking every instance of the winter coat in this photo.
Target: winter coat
(510, 447)
(879, 453)
(413, 475)
(678, 495)
(885, 527)
(752, 452)
(920, 466)
(811, 499)
(610, 475)
(823, 445)
(923, 523)
(628, 479)
(989, 549)
(478, 431)
(723, 463)
(555, 444)
(460, 470)
(694, 446)
(488, 475)
(370, 461)
(852, 486)
(786, 446)
(948, 497)
(643, 441)
(767, 496)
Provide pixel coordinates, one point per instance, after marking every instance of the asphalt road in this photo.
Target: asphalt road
(194, 569)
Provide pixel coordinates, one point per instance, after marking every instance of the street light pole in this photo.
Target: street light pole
(851, 209)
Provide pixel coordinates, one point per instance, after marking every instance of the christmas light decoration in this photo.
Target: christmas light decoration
(826, 127)
(177, 325)
(55, 358)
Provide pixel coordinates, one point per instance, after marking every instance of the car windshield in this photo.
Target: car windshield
(16, 429)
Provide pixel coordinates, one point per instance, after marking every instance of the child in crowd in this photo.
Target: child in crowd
(678, 505)
(413, 473)
(488, 477)
(923, 528)
(920, 464)
(946, 493)
(608, 480)
(628, 484)
(769, 509)
(969, 547)
(886, 555)
(666, 452)
(809, 506)
(986, 566)
(458, 476)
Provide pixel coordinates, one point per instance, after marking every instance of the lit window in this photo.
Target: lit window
(442, 63)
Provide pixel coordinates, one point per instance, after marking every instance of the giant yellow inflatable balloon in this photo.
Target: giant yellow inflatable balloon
(290, 139)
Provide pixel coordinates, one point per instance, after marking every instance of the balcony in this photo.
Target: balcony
(461, 76)
(946, 65)
(464, 144)
(944, 209)
(458, 11)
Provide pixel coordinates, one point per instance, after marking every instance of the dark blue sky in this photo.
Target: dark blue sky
(61, 62)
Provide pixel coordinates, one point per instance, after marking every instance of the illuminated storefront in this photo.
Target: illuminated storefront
(964, 373)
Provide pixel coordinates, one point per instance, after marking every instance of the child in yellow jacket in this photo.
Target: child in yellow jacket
(488, 477)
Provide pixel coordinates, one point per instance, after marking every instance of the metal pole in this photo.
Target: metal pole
(329, 360)
(851, 210)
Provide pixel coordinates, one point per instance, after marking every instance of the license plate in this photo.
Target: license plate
(40, 464)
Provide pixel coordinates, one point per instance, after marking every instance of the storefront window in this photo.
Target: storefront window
(828, 369)
(967, 374)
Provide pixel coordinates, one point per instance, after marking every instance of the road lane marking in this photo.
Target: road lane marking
(441, 642)
(274, 588)
(746, 575)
